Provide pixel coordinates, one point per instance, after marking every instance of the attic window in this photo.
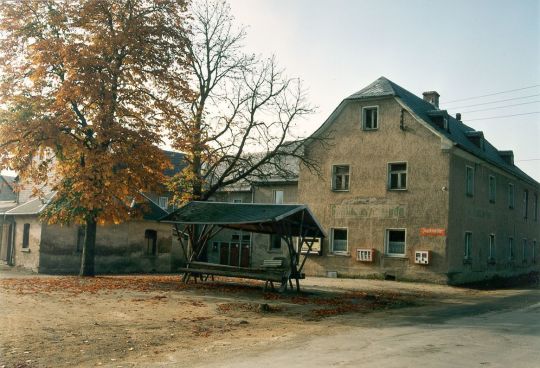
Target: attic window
(370, 118)
(477, 138)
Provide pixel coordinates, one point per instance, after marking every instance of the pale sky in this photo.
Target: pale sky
(460, 49)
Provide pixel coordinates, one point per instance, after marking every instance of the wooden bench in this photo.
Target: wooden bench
(271, 271)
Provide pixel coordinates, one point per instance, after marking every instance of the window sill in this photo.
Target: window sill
(340, 190)
(340, 254)
(397, 189)
(275, 250)
(369, 129)
(395, 256)
(25, 250)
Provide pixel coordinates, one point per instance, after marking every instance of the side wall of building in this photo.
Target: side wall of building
(482, 217)
(123, 248)
(368, 209)
(27, 257)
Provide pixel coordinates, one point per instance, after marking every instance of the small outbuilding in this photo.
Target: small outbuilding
(199, 222)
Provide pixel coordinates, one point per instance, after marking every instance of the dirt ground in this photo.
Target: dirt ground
(128, 321)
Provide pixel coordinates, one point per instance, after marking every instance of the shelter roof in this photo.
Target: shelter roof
(294, 219)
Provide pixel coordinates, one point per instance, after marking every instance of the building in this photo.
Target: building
(410, 192)
(141, 245)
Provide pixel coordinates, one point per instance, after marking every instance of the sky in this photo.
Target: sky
(460, 49)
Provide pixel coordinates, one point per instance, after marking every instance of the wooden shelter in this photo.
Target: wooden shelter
(201, 221)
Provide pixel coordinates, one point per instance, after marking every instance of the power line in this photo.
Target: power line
(505, 116)
(492, 102)
(493, 94)
(530, 159)
(500, 107)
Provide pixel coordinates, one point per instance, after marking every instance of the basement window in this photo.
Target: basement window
(395, 242)
(339, 240)
(151, 242)
(511, 252)
(340, 177)
(370, 118)
(491, 253)
(468, 246)
(397, 176)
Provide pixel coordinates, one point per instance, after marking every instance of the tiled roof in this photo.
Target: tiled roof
(32, 207)
(457, 131)
(178, 162)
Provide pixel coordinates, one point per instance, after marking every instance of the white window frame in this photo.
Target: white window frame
(364, 109)
(399, 173)
(468, 245)
(333, 183)
(275, 196)
(469, 191)
(491, 249)
(387, 243)
(492, 189)
(340, 252)
(165, 204)
(511, 196)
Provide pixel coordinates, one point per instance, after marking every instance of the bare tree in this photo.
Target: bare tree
(239, 125)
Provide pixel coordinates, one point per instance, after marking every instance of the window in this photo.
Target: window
(397, 176)
(525, 203)
(340, 177)
(339, 241)
(275, 242)
(533, 254)
(80, 238)
(492, 189)
(468, 245)
(395, 242)
(511, 197)
(237, 200)
(469, 190)
(535, 207)
(278, 196)
(524, 250)
(511, 253)
(491, 247)
(151, 241)
(26, 236)
(370, 118)
(163, 202)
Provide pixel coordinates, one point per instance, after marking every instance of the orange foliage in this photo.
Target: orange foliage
(84, 93)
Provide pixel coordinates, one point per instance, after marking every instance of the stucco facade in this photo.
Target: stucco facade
(404, 163)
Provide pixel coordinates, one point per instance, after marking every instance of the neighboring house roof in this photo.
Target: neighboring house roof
(6, 206)
(249, 216)
(457, 131)
(32, 207)
(177, 160)
(10, 180)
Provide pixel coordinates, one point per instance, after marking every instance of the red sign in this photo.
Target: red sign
(428, 231)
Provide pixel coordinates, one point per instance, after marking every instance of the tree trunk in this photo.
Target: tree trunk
(87, 261)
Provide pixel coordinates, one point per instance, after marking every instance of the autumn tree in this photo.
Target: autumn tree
(83, 88)
(240, 126)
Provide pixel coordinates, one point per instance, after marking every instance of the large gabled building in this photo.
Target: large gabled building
(411, 192)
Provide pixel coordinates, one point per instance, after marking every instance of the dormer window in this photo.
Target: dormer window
(477, 138)
(370, 118)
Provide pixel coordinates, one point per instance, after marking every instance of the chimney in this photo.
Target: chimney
(458, 116)
(432, 97)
